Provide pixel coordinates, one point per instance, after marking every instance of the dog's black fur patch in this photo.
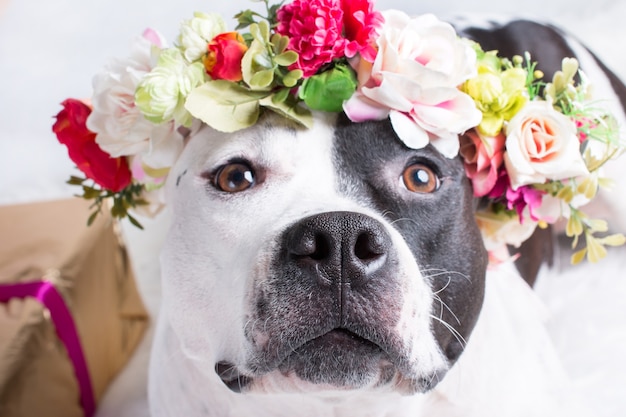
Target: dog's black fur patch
(439, 228)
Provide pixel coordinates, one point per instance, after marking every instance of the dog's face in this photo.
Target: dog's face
(327, 259)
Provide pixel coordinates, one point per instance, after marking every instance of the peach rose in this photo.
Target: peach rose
(542, 145)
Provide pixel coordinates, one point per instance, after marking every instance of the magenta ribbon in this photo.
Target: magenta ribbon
(49, 297)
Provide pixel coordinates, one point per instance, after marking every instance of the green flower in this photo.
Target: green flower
(161, 94)
(328, 90)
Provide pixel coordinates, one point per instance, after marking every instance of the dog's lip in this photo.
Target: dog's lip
(344, 336)
(231, 376)
(237, 381)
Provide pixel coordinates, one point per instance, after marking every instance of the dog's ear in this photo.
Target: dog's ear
(536, 250)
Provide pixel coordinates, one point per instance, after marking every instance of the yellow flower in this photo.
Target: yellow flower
(498, 94)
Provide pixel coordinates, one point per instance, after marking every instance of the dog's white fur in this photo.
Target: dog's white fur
(220, 245)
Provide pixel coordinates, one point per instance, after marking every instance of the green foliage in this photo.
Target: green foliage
(118, 203)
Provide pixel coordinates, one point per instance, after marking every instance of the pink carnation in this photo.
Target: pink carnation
(518, 199)
(361, 26)
(483, 157)
(314, 28)
(522, 197)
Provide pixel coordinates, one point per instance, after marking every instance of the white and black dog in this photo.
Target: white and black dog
(335, 272)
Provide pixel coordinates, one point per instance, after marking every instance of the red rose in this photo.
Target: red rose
(70, 128)
(223, 61)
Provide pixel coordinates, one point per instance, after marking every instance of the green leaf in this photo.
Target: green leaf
(244, 19)
(76, 180)
(280, 43)
(289, 109)
(292, 78)
(255, 60)
(262, 79)
(286, 58)
(134, 222)
(280, 96)
(92, 217)
(225, 106)
(261, 31)
(90, 192)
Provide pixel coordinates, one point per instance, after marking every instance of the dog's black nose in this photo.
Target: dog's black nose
(339, 247)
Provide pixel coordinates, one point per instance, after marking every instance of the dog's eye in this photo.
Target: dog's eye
(234, 177)
(419, 178)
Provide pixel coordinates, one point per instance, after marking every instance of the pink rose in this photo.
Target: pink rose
(361, 26)
(483, 157)
(414, 80)
(314, 28)
(542, 144)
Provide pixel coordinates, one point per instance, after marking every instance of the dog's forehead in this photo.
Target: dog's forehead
(274, 143)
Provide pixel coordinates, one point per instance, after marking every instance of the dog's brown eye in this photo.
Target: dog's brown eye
(418, 178)
(234, 177)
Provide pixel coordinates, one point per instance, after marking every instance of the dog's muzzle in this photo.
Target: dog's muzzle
(327, 312)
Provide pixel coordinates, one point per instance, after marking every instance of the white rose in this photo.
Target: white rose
(542, 145)
(120, 128)
(414, 80)
(196, 33)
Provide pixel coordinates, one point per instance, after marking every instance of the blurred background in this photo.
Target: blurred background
(50, 49)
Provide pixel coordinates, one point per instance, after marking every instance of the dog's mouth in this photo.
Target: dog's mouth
(338, 359)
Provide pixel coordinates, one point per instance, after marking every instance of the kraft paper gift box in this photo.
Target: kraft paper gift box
(70, 313)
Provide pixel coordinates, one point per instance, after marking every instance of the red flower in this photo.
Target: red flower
(70, 128)
(223, 62)
(314, 28)
(361, 25)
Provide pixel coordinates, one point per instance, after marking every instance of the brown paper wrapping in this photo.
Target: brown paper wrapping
(89, 266)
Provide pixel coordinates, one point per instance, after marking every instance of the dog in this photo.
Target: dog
(334, 271)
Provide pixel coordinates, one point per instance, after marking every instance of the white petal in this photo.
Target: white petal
(447, 145)
(408, 131)
(359, 109)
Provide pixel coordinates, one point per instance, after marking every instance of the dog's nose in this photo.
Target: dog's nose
(339, 247)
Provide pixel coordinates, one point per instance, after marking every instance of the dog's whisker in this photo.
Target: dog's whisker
(444, 287)
(407, 219)
(444, 305)
(428, 273)
(458, 336)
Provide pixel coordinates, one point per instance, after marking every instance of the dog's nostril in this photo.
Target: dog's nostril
(315, 246)
(322, 246)
(365, 247)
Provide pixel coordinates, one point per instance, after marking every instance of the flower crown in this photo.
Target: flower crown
(532, 150)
